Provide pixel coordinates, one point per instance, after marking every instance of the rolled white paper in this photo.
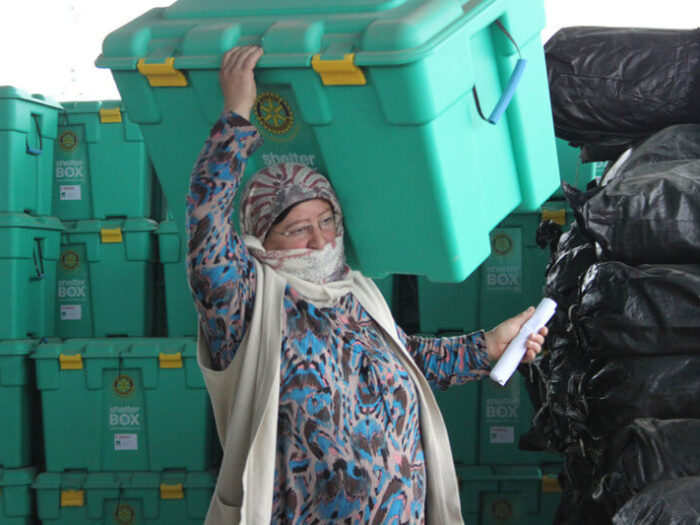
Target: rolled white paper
(516, 349)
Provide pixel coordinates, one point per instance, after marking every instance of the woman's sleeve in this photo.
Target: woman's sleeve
(219, 268)
(447, 361)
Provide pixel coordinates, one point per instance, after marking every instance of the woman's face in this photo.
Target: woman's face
(309, 224)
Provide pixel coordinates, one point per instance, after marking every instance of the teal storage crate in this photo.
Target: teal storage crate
(180, 314)
(17, 403)
(459, 406)
(101, 168)
(124, 404)
(124, 498)
(29, 251)
(16, 496)
(104, 284)
(572, 170)
(510, 280)
(518, 495)
(27, 134)
(378, 95)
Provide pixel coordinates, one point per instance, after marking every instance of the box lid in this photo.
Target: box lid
(11, 92)
(97, 226)
(23, 220)
(124, 480)
(116, 347)
(17, 476)
(376, 32)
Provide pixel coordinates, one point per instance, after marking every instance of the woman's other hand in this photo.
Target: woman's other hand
(237, 79)
(497, 339)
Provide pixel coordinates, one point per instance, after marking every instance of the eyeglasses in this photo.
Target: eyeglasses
(325, 224)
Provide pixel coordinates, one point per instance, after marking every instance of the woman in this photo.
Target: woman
(321, 401)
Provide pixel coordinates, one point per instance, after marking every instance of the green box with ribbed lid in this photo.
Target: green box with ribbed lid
(29, 251)
(572, 170)
(104, 284)
(513, 495)
(124, 498)
(124, 404)
(379, 95)
(16, 497)
(28, 125)
(101, 167)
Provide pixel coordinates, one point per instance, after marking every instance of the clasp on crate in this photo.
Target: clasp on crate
(341, 72)
(110, 116)
(163, 74)
(556, 216)
(170, 360)
(70, 362)
(171, 491)
(111, 235)
(72, 498)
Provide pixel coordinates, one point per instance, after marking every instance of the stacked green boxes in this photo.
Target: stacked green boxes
(379, 95)
(16, 497)
(515, 495)
(105, 278)
(27, 134)
(485, 420)
(156, 498)
(124, 404)
(101, 168)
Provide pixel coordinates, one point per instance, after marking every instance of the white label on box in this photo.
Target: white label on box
(502, 434)
(71, 312)
(126, 441)
(70, 192)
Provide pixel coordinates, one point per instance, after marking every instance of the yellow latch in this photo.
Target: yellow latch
(170, 360)
(171, 491)
(72, 498)
(110, 116)
(342, 72)
(550, 484)
(556, 216)
(111, 234)
(162, 75)
(70, 362)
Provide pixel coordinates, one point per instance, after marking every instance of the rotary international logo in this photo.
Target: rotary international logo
(70, 260)
(123, 385)
(124, 514)
(68, 140)
(502, 244)
(274, 113)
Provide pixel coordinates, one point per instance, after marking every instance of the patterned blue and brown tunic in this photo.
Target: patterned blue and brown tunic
(349, 443)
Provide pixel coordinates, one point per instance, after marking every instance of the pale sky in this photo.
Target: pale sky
(50, 46)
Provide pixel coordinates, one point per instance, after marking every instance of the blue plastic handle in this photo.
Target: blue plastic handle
(33, 151)
(508, 92)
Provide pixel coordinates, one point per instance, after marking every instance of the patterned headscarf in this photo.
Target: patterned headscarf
(268, 193)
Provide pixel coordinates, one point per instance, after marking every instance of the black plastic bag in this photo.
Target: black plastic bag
(646, 451)
(619, 390)
(609, 84)
(670, 502)
(643, 310)
(650, 215)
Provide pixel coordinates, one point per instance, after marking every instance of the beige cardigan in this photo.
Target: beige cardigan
(245, 398)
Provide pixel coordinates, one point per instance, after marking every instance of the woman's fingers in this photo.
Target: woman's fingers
(251, 59)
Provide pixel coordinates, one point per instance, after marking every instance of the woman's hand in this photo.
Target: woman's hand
(497, 339)
(237, 79)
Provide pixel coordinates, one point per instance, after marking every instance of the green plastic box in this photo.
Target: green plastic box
(16, 496)
(101, 168)
(104, 284)
(124, 404)
(485, 425)
(17, 403)
(29, 251)
(517, 495)
(377, 94)
(27, 134)
(572, 170)
(124, 498)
